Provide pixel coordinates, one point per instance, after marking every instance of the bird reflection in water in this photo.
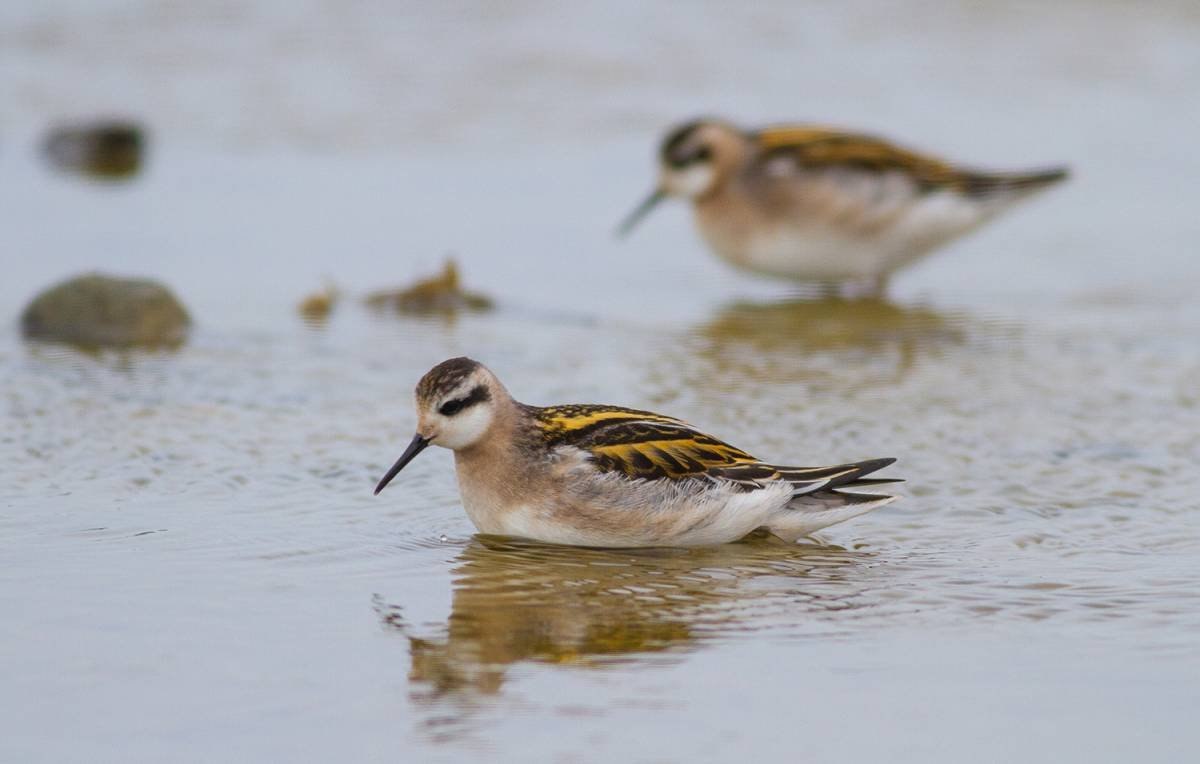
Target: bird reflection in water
(517, 601)
(850, 344)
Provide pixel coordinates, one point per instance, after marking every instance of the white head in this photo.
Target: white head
(693, 160)
(456, 405)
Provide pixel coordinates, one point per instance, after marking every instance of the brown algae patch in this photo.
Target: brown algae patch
(316, 307)
(442, 293)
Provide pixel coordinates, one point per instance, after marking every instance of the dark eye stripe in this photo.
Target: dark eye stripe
(676, 139)
(682, 146)
(478, 395)
(699, 154)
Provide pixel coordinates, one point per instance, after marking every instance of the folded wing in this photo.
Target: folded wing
(641, 445)
(822, 148)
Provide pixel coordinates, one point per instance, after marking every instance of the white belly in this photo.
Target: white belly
(845, 248)
(628, 515)
(812, 254)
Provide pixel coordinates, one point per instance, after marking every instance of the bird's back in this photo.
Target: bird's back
(819, 204)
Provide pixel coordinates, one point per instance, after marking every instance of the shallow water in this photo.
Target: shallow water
(191, 561)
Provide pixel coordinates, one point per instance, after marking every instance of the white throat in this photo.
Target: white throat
(691, 181)
(465, 428)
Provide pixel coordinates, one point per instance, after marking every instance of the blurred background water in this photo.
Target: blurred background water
(192, 565)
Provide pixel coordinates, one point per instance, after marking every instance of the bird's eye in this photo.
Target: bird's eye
(702, 154)
(450, 408)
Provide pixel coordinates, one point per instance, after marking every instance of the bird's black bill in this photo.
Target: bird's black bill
(641, 211)
(417, 445)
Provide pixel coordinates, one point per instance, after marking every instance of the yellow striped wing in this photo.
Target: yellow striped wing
(648, 446)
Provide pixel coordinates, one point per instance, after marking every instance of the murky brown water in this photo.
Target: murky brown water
(192, 565)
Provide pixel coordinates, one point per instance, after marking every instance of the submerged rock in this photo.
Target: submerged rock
(438, 294)
(112, 150)
(97, 311)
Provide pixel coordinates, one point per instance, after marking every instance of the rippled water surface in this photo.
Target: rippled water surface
(192, 565)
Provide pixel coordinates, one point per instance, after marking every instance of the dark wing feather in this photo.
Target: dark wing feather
(821, 147)
(668, 451)
(818, 147)
(647, 446)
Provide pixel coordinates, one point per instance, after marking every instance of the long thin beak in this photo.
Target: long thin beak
(641, 211)
(417, 445)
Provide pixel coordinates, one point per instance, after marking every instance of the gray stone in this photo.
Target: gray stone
(101, 311)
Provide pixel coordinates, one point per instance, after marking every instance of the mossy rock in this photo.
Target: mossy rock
(96, 311)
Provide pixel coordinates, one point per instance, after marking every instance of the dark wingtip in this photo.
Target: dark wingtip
(1036, 179)
(875, 481)
(1051, 174)
(984, 184)
(868, 466)
(856, 471)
